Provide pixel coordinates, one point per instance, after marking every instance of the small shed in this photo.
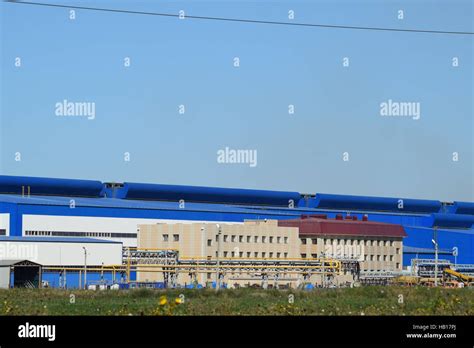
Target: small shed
(23, 274)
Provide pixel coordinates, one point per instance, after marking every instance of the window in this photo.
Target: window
(385, 257)
(278, 240)
(270, 255)
(391, 257)
(303, 256)
(255, 239)
(225, 253)
(264, 239)
(209, 242)
(255, 254)
(217, 237)
(225, 237)
(303, 241)
(264, 254)
(270, 239)
(378, 257)
(176, 237)
(248, 254)
(314, 256)
(314, 241)
(278, 255)
(286, 240)
(165, 238)
(371, 257)
(398, 265)
(232, 239)
(241, 239)
(285, 255)
(241, 254)
(391, 243)
(398, 251)
(248, 239)
(209, 275)
(232, 254)
(380, 243)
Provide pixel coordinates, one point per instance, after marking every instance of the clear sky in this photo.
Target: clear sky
(191, 62)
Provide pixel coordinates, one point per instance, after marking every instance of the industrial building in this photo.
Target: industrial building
(76, 210)
(360, 246)
(254, 240)
(376, 246)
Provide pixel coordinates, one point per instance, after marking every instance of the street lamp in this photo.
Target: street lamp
(85, 267)
(435, 242)
(219, 235)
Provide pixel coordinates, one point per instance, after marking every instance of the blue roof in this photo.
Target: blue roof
(206, 194)
(90, 193)
(463, 208)
(451, 220)
(48, 186)
(346, 202)
(121, 203)
(55, 239)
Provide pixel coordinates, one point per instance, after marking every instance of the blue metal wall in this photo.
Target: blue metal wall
(150, 201)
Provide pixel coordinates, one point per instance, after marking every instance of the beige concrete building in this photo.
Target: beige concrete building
(359, 245)
(255, 240)
(377, 246)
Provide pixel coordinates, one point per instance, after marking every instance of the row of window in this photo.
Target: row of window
(328, 241)
(166, 238)
(254, 239)
(255, 254)
(81, 234)
(366, 257)
(397, 266)
(234, 239)
(378, 257)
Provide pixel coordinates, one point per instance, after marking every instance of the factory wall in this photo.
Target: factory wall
(48, 253)
(121, 220)
(96, 227)
(447, 240)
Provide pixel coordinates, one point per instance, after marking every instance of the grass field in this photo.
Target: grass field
(356, 301)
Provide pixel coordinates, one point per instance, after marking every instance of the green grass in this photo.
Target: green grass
(371, 300)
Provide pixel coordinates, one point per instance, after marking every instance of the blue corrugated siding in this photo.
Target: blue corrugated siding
(447, 239)
(72, 278)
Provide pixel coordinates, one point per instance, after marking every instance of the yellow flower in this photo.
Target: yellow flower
(178, 300)
(163, 300)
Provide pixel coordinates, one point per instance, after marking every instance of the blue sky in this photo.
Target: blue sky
(190, 62)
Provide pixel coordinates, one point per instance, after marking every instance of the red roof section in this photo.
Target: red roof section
(317, 226)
